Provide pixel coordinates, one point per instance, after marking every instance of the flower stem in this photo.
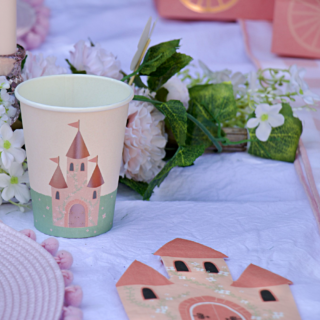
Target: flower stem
(206, 132)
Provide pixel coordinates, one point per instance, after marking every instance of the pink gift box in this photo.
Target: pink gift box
(296, 28)
(216, 9)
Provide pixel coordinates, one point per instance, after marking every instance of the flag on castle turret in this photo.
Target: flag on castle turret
(75, 124)
(55, 160)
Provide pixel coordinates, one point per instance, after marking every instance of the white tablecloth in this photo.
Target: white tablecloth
(253, 210)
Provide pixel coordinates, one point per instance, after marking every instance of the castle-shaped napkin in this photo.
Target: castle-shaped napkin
(201, 287)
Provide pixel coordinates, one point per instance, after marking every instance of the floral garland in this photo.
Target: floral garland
(194, 103)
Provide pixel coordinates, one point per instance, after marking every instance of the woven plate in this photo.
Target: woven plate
(31, 283)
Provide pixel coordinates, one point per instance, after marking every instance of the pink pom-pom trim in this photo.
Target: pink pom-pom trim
(29, 233)
(64, 259)
(73, 296)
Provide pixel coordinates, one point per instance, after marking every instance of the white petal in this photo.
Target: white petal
(17, 139)
(253, 122)
(24, 178)
(262, 108)
(6, 158)
(275, 109)
(6, 132)
(16, 170)
(22, 193)
(8, 193)
(19, 154)
(4, 180)
(276, 120)
(263, 131)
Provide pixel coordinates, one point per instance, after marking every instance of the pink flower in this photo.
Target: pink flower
(145, 140)
(38, 66)
(103, 216)
(33, 23)
(95, 60)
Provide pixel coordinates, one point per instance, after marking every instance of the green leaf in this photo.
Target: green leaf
(196, 136)
(23, 62)
(138, 186)
(207, 133)
(283, 141)
(185, 156)
(138, 82)
(176, 117)
(74, 70)
(159, 53)
(218, 99)
(168, 69)
(162, 94)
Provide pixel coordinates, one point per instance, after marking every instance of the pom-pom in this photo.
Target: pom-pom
(67, 277)
(72, 313)
(64, 259)
(51, 245)
(29, 233)
(73, 296)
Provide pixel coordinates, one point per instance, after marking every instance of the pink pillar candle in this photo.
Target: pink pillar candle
(8, 26)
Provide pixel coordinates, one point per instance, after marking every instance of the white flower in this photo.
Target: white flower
(38, 66)
(4, 83)
(237, 79)
(144, 141)
(10, 145)
(224, 273)
(211, 279)
(95, 60)
(267, 117)
(14, 184)
(177, 91)
(253, 86)
(163, 309)
(6, 99)
(296, 82)
(6, 114)
(182, 277)
(309, 97)
(277, 315)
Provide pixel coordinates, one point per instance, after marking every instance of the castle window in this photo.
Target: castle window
(57, 195)
(148, 294)
(71, 167)
(210, 267)
(82, 167)
(94, 195)
(181, 266)
(266, 295)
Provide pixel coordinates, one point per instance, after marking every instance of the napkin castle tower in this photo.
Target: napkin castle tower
(75, 202)
(201, 287)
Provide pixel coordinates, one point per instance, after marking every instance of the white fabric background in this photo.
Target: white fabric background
(253, 210)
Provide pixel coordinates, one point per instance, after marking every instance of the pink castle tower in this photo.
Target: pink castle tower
(75, 203)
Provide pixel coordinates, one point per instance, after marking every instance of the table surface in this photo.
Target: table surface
(251, 209)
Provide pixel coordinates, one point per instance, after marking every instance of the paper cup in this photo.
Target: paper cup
(74, 129)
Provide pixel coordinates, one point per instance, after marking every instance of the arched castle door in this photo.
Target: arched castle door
(214, 311)
(77, 216)
(212, 308)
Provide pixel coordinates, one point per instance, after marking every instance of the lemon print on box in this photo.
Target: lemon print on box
(209, 6)
(304, 23)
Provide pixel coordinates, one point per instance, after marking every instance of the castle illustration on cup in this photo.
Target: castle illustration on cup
(75, 202)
